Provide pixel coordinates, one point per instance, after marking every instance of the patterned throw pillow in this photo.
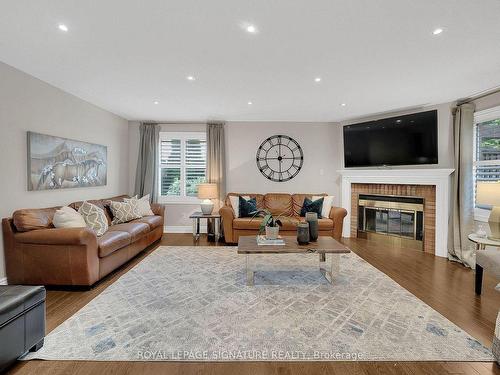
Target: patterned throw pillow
(248, 207)
(94, 217)
(143, 204)
(312, 206)
(124, 211)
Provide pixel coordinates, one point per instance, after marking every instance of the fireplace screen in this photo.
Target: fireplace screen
(391, 216)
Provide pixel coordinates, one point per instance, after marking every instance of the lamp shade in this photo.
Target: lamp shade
(488, 193)
(207, 191)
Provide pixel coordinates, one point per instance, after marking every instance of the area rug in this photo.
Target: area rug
(192, 304)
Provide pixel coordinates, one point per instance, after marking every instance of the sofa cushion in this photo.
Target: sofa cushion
(33, 218)
(247, 223)
(111, 241)
(279, 203)
(136, 230)
(153, 221)
(289, 224)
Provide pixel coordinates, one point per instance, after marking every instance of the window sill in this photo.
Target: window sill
(182, 201)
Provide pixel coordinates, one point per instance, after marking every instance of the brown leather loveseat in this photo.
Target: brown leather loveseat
(278, 203)
(36, 253)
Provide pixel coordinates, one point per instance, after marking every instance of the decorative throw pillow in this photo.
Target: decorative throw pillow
(247, 207)
(312, 206)
(66, 217)
(124, 211)
(94, 217)
(235, 203)
(143, 205)
(327, 204)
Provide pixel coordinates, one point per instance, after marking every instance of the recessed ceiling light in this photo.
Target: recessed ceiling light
(63, 27)
(317, 79)
(251, 29)
(156, 102)
(250, 103)
(343, 104)
(190, 78)
(437, 31)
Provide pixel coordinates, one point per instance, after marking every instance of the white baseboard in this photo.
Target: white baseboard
(182, 229)
(3, 281)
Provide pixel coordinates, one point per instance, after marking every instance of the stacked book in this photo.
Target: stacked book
(262, 240)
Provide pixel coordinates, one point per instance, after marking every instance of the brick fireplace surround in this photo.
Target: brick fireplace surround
(428, 192)
(432, 184)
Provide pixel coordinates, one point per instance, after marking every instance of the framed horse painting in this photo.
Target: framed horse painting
(61, 163)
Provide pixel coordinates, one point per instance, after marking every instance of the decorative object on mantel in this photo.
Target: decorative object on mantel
(312, 220)
(488, 193)
(60, 163)
(279, 158)
(207, 192)
(438, 177)
(303, 233)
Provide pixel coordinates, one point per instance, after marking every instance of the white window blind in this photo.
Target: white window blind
(486, 157)
(182, 165)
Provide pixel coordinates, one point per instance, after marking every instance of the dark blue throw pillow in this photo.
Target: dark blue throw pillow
(312, 206)
(247, 207)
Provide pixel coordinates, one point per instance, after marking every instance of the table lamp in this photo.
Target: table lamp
(488, 193)
(207, 192)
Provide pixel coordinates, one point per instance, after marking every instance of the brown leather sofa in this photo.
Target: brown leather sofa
(278, 203)
(36, 253)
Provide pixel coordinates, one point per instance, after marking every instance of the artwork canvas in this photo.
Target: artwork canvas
(60, 163)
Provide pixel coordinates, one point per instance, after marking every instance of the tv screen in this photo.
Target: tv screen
(402, 140)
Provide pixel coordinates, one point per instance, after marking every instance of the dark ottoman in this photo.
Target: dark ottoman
(22, 321)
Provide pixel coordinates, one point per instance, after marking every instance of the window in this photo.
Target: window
(182, 166)
(486, 157)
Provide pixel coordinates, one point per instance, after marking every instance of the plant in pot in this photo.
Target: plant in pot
(270, 224)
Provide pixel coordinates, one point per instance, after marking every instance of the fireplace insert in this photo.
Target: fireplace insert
(395, 219)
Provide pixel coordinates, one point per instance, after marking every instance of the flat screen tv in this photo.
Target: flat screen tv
(402, 140)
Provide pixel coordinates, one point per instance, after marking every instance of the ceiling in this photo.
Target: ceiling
(374, 56)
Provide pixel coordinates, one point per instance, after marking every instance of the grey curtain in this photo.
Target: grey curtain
(216, 158)
(462, 208)
(146, 177)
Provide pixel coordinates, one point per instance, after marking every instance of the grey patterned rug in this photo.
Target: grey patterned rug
(191, 303)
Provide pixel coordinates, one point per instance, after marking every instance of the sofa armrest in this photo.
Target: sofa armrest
(227, 217)
(337, 214)
(158, 209)
(58, 236)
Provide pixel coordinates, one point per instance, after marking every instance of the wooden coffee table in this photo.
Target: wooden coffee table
(247, 245)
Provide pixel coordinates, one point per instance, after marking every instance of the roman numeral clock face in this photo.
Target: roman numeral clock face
(279, 158)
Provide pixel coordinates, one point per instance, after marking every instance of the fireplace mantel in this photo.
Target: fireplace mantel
(438, 177)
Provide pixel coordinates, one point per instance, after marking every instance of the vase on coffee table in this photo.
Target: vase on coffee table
(272, 233)
(303, 233)
(312, 220)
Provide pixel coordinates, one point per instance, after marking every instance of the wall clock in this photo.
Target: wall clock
(279, 158)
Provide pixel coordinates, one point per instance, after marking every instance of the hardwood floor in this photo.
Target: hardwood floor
(446, 286)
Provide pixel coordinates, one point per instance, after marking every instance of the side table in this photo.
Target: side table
(213, 225)
(482, 242)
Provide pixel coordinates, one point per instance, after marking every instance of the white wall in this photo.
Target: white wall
(28, 104)
(320, 143)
